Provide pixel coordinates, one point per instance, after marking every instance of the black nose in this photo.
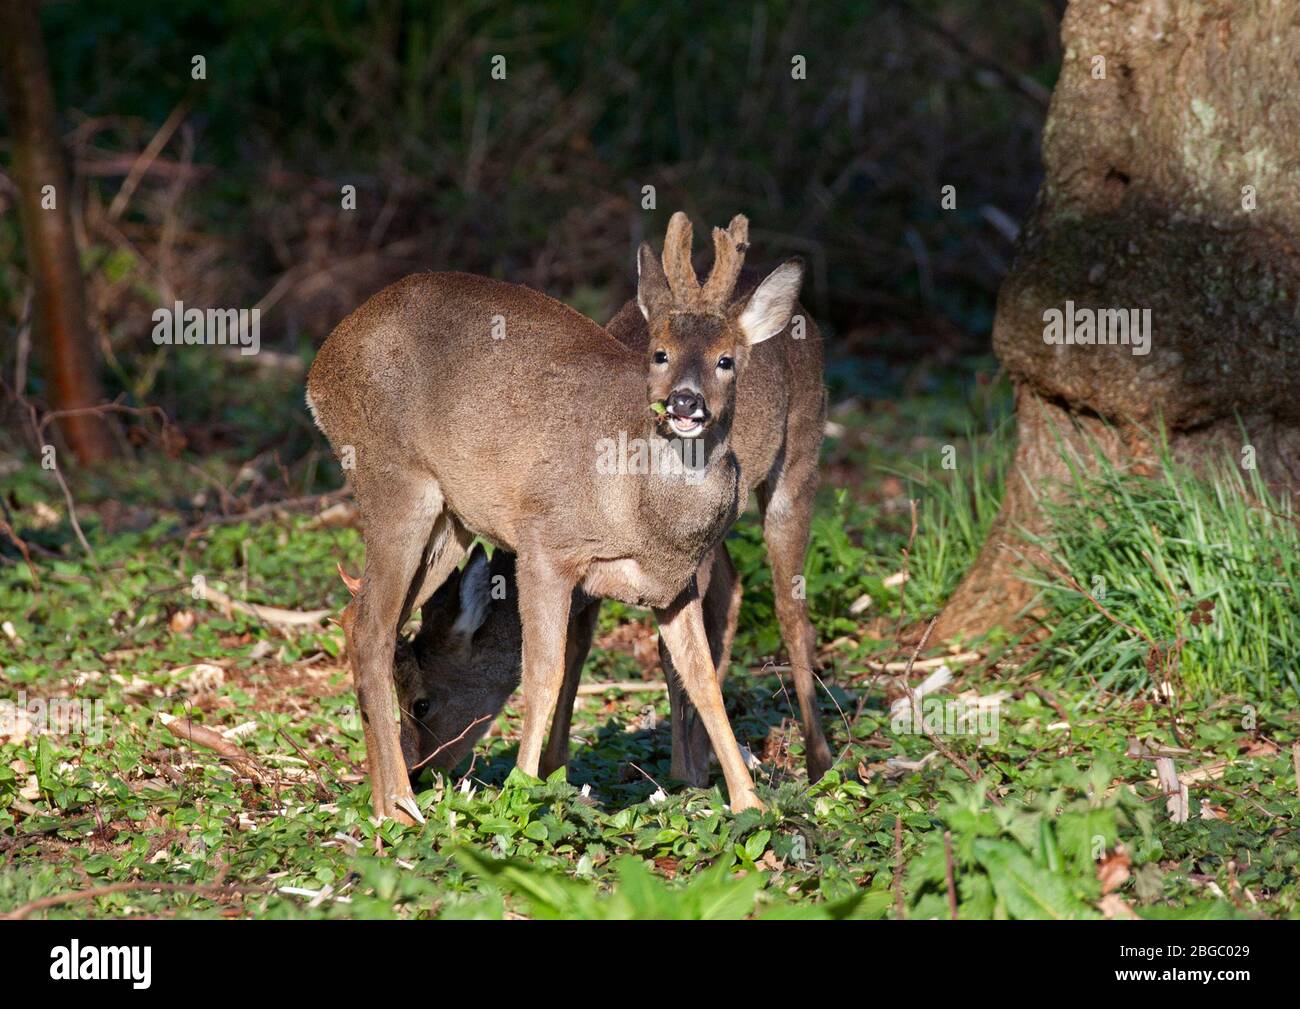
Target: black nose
(686, 403)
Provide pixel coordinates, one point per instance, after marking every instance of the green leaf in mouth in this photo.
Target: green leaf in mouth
(659, 408)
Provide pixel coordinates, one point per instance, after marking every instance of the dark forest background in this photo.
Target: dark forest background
(226, 191)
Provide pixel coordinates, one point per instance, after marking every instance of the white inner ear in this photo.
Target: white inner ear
(475, 596)
(769, 308)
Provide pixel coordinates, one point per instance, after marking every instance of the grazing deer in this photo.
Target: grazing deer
(456, 674)
(776, 436)
(455, 433)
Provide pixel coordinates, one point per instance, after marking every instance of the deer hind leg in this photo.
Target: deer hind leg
(582, 626)
(691, 748)
(398, 520)
(786, 503)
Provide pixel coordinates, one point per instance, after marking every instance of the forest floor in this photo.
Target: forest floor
(1033, 795)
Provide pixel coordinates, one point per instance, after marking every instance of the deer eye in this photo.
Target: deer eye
(420, 708)
(725, 363)
(661, 357)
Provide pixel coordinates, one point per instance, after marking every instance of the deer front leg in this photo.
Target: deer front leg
(544, 600)
(370, 653)
(581, 628)
(681, 626)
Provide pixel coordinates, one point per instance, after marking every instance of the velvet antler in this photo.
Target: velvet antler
(729, 247)
(728, 257)
(682, 281)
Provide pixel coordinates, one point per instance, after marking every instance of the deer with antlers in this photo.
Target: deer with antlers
(456, 433)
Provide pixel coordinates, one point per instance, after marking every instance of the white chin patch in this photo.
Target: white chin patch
(686, 427)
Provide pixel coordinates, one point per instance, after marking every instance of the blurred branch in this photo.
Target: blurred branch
(1020, 83)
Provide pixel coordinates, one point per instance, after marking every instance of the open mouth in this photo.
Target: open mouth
(686, 425)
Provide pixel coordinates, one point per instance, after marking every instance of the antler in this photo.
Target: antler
(677, 261)
(728, 257)
(729, 247)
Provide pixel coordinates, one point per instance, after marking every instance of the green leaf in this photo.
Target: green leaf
(1025, 889)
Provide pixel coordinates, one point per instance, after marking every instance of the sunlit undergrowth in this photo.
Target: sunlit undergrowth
(1194, 576)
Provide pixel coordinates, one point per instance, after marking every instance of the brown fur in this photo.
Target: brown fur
(779, 419)
(456, 433)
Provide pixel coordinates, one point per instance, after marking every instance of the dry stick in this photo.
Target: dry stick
(646, 776)
(314, 763)
(950, 873)
(72, 515)
(210, 890)
(38, 429)
(450, 742)
(1070, 580)
(1240, 795)
(201, 735)
(1056, 705)
(17, 541)
(930, 734)
(1295, 761)
(1170, 661)
(902, 588)
(623, 686)
(261, 511)
(1021, 83)
(146, 158)
(961, 658)
(899, 908)
(268, 614)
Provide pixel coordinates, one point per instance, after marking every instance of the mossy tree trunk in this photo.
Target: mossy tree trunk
(1172, 163)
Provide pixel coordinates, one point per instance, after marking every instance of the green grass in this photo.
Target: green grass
(1057, 798)
(1204, 567)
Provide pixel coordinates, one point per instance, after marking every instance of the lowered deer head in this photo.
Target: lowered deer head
(456, 674)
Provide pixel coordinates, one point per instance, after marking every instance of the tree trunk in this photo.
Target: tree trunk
(1172, 184)
(59, 317)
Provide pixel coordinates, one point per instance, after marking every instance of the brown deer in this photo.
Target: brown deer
(776, 436)
(454, 433)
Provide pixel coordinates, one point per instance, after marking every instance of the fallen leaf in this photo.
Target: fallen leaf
(1113, 870)
(1115, 906)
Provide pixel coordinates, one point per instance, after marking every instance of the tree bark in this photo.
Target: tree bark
(59, 316)
(1145, 206)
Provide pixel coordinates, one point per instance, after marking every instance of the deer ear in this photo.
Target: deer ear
(652, 294)
(768, 310)
(475, 595)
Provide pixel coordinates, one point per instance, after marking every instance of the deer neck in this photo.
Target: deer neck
(692, 482)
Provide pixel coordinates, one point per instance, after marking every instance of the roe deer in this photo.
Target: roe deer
(780, 416)
(776, 436)
(456, 674)
(454, 433)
